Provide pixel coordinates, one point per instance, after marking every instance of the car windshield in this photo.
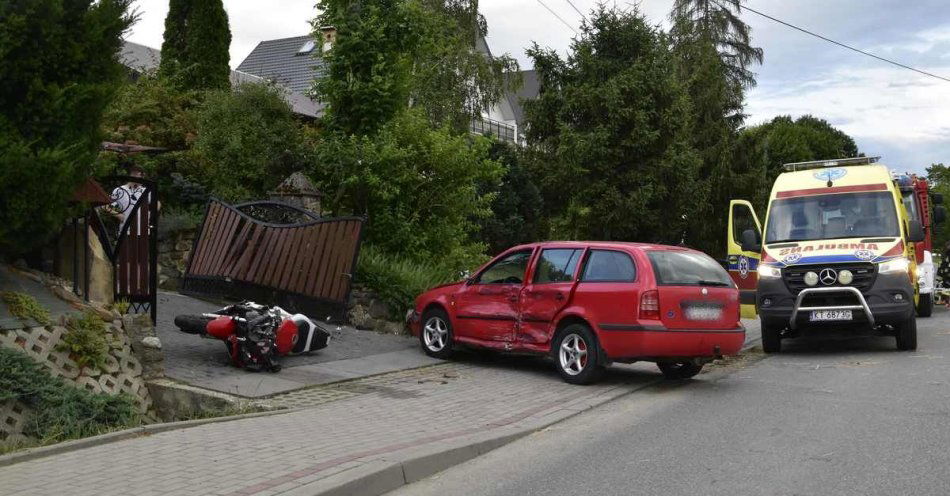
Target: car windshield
(837, 216)
(687, 268)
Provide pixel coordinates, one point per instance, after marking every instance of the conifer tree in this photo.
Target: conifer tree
(195, 50)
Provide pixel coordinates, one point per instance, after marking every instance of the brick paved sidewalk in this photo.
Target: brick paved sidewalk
(349, 425)
(342, 427)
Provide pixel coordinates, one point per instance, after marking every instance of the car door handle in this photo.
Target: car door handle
(513, 297)
(559, 296)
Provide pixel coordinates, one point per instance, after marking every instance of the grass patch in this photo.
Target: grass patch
(396, 280)
(85, 341)
(25, 307)
(60, 411)
(230, 411)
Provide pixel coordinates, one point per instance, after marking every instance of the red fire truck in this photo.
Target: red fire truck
(925, 208)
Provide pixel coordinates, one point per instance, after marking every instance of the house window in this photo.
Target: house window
(306, 48)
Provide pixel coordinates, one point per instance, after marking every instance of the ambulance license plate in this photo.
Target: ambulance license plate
(830, 315)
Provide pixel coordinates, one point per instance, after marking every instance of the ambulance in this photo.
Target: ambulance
(837, 251)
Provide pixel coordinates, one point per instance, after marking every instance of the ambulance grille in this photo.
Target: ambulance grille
(863, 275)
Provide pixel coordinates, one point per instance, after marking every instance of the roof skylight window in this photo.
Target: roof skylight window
(307, 47)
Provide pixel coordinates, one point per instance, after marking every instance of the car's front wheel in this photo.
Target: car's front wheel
(577, 355)
(679, 370)
(436, 335)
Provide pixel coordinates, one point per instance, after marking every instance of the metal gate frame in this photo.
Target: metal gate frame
(126, 260)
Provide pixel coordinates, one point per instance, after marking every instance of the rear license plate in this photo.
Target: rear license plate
(703, 313)
(828, 315)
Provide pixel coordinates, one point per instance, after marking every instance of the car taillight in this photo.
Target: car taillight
(650, 305)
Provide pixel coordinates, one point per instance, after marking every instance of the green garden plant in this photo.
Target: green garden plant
(24, 306)
(398, 280)
(85, 341)
(60, 411)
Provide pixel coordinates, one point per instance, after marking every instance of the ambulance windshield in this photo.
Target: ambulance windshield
(837, 216)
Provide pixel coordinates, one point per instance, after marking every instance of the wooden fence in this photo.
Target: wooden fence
(304, 266)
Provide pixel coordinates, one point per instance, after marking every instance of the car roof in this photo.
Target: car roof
(603, 244)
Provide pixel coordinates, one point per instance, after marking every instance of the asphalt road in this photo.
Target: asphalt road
(826, 417)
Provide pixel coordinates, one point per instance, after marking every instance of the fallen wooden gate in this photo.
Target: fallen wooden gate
(274, 253)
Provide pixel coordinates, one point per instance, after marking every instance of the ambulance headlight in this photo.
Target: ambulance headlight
(899, 265)
(845, 277)
(811, 278)
(769, 272)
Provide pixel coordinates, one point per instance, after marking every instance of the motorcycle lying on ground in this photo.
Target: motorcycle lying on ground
(256, 335)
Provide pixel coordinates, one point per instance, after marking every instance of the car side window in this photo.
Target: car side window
(557, 265)
(508, 270)
(609, 266)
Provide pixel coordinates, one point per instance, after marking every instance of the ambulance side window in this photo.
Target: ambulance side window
(742, 221)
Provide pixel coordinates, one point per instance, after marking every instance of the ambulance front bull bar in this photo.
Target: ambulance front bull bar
(805, 292)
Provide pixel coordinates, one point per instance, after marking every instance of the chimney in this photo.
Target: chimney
(328, 33)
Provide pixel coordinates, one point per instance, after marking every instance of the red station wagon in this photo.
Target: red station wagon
(587, 304)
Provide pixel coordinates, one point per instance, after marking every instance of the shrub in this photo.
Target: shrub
(60, 69)
(398, 280)
(60, 411)
(250, 140)
(177, 219)
(85, 341)
(24, 306)
(418, 187)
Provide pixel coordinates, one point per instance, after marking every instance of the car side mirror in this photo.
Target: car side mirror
(750, 241)
(937, 198)
(940, 215)
(915, 232)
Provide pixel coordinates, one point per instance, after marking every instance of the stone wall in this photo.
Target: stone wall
(173, 253)
(367, 311)
(124, 371)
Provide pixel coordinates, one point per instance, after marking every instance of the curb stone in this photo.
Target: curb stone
(111, 437)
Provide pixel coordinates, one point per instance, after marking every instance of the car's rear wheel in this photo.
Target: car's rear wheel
(907, 335)
(771, 337)
(436, 335)
(679, 370)
(577, 355)
(925, 307)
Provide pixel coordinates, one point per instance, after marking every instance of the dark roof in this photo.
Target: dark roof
(141, 59)
(529, 91)
(279, 61)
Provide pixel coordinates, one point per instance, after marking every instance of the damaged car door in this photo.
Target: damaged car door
(487, 308)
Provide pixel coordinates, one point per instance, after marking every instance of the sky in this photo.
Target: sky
(898, 114)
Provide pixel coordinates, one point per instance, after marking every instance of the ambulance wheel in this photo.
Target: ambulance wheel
(907, 335)
(926, 306)
(771, 337)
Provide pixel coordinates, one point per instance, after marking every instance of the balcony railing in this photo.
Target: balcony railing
(500, 130)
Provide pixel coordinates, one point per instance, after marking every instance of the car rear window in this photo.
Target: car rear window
(687, 268)
(609, 266)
